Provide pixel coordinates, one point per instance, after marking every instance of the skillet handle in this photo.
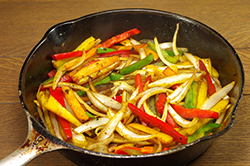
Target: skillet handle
(34, 145)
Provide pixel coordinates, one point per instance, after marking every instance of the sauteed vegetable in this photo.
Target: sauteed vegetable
(129, 97)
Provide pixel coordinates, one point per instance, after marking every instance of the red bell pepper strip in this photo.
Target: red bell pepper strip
(52, 73)
(118, 98)
(211, 88)
(159, 124)
(118, 52)
(160, 105)
(138, 82)
(58, 95)
(195, 112)
(116, 39)
(135, 150)
(67, 55)
(175, 86)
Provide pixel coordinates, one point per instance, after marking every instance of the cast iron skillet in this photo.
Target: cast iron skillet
(197, 37)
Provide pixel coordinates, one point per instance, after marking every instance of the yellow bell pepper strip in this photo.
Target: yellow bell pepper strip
(191, 97)
(86, 44)
(118, 52)
(149, 51)
(66, 55)
(164, 127)
(58, 95)
(211, 88)
(94, 67)
(118, 38)
(202, 94)
(101, 50)
(171, 59)
(54, 106)
(43, 96)
(59, 63)
(130, 47)
(203, 131)
(195, 112)
(138, 65)
(74, 104)
(164, 138)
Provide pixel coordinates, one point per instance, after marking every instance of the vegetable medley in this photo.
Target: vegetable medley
(129, 97)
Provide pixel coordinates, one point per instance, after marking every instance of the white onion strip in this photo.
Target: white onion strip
(96, 102)
(92, 124)
(217, 96)
(192, 59)
(128, 134)
(107, 101)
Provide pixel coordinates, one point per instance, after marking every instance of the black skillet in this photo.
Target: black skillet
(197, 37)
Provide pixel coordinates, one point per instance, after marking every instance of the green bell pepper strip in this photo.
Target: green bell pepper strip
(101, 50)
(138, 65)
(115, 76)
(191, 97)
(153, 121)
(203, 131)
(171, 59)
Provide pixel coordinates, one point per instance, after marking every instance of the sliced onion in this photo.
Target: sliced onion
(150, 92)
(79, 140)
(181, 121)
(176, 52)
(165, 45)
(171, 80)
(96, 102)
(124, 86)
(91, 110)
(119, 139)
(106, 141)
(148, 111)
(107, 101)
(165, 112)
(192, 59)
(128, 134)
(217, 96)
(158, 50)
(60, 72)
(92, 124)
(111, 125)
(78, 62)
(179, 94)
(55, 125)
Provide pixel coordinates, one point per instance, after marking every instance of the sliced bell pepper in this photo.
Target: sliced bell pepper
(160, 104)
(94, 67)
(191, 97)
(211, 88)
(58, 95)
(67, 55)
(164, 127)
(138, 82)
(135, 151)
(138, 65)
(86, 44)
(170, 71)
(74, 104)
(118, 52)
(115, 76)
(172, 59)
(191, 113)
(52, 73)
(118, 98)
(54, 106)
(101, 50)
(118, 38)
(203, 131)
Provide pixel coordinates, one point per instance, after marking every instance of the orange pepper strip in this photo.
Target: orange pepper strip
(94, 67)
(74, 103)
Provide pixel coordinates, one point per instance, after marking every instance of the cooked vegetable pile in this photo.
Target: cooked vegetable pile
(129, 97)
